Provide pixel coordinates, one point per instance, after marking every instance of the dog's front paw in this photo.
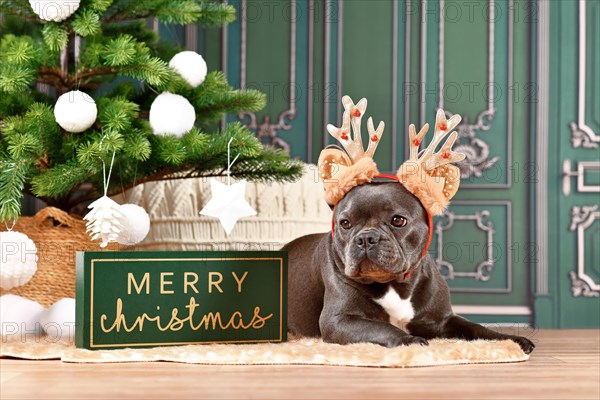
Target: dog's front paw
(526, 345)
(418, 340)
(408, 340)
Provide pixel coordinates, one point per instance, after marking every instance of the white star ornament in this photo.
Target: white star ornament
(228, 203)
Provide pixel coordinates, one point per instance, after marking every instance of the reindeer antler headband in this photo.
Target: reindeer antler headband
(431, 177)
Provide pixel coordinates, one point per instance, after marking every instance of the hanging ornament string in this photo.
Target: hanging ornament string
(230, 163)
(104, 219)
(227, 202)
(106, 179)
(127, 224)
(14, 222)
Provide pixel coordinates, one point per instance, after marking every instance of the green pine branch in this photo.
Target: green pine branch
(87, 23)
(18, 62)
(207, 13)
(123, 67)
(99, 6)
(271, 162)
(56, 36)
(13, 175)
(15, 78)
(215, 97)
(18, 8)
(208, 158)
(61, 179)
(215, 14)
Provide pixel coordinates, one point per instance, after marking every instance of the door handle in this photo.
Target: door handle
(566, 177)
(582, 167)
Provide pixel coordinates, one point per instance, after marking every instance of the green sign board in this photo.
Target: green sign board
(142, 299)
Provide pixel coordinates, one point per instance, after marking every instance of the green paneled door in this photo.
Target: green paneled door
(568, 285)
(473, 59)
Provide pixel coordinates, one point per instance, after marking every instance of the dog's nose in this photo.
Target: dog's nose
(366, 240)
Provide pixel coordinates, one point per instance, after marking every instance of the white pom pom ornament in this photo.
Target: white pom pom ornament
(52, 10)
(191, 66)
(75, 111)
(136, 224)
(18, 259)
(19, 317)
(171, 114)
(58, 321)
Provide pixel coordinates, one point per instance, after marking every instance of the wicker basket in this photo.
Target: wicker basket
(57, 236)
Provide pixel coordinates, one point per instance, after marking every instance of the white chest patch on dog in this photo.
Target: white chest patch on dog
(400, 310)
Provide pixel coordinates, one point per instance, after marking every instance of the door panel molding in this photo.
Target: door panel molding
(327, 65)
(266, 129)
(311, 78)
(484, 223)
(582, 217)
(582, 168)
(483, 269)
(476, 149)
(582, 135)
(491, 310)
(541, 144)
(395, 85)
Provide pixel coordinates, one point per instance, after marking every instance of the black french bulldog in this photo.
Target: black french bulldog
(369, 278)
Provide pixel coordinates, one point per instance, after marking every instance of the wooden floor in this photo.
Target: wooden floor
(564, 365)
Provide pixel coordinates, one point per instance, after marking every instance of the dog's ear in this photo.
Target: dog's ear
(448, 177)
(332, 161)
(339, 174)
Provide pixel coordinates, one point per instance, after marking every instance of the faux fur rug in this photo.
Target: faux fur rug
(298, 351)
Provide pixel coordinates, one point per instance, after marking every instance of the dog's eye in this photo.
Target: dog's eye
(345, 224)
(398, 221)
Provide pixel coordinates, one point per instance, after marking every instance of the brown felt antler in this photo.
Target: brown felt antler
(431, 176)
(343, 169)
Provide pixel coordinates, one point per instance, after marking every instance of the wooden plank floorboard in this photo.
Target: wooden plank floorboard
(564, 365)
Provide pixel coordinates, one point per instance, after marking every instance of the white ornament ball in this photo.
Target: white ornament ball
(18, 259)
(136, 224)
(58, 321)
(19, 317)
(51, 10)
(191, 66)
(75, 111)
(171, 114)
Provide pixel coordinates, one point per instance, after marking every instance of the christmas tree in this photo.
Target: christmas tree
(103, 48)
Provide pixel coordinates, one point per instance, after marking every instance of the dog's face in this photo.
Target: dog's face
(380, 232)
